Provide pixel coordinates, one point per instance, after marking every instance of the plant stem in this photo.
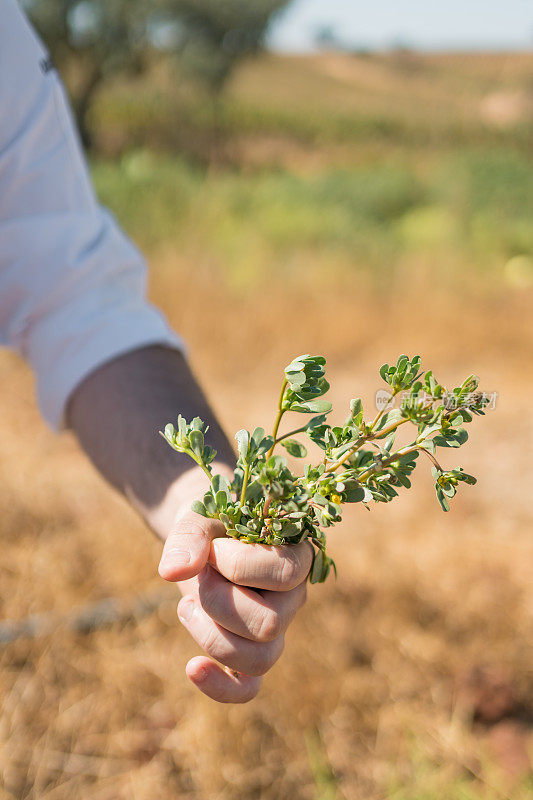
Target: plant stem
(383, 410)
(395, 456)
(191, 455)
(346, 456)
(266, 520)
(431, 458)
(202, 466)
(281, 412)
(290, 433)
(390, 429)
(362, 441)
(244, 484)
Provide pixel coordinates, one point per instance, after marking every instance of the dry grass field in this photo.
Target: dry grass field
(409, 678)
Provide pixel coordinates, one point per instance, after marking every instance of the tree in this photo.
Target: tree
(98, 37)
(105, 37)
(215, 35)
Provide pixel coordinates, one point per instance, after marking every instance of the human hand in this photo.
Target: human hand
(238, 599)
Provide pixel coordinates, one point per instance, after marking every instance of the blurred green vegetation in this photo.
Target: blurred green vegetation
(472, 207)
(419, 104)
(164, 122)
(359, 165)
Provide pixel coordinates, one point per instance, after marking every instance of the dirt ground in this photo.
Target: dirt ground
(409, 677)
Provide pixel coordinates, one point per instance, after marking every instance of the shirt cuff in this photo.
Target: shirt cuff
(62, 363)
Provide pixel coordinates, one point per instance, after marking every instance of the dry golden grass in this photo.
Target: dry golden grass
(420, 86)
(406, 679)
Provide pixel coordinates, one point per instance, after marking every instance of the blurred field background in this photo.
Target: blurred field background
(353, 204)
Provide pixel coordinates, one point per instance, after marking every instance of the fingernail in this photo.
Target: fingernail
(176, 557)
(186, 609)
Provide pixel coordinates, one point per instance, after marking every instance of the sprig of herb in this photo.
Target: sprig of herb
(269, 504)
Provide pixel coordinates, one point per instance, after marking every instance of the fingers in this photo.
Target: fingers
(252, 658)
(260, 617)
(186, 549)
(219, 684)
(276, 568)
(241, 628)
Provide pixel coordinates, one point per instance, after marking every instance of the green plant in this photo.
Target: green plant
(268, 504)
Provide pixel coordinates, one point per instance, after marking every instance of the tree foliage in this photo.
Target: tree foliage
(213, 36)
(101, 38)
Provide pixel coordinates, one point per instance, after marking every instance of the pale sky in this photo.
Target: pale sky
(425, 24)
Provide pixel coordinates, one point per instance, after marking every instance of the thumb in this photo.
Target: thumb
(186, 549)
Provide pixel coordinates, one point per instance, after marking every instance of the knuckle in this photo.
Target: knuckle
(267, 625)
(264, 656)
(289, 571)
(261, 661)
(208, 595)
(298, 597)
(211, 643)
(189, 527)
(236, 569)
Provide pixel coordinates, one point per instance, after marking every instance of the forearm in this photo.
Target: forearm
(116, 413)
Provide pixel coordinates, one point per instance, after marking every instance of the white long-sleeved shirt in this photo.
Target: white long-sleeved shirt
(72, 285)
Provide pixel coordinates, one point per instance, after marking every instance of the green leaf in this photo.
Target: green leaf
(451, 438)
(170, 432)
(390, 417)
(196, 438)
(294, 448)
(242, 529)
(221, 499)
(210, 504)
(294, 367)
(221, 484)
(404, 480)
(243, 443)
(257, 437)
(387, 447)
(208, 455)
(276, 462)
(199, 508)
(459, 475)
(315, 422)
(401, 365)
(356, 411)
(296, 379)
(441, 497)
(317, 568)
(290, 529)
(355, 495)
(428, 430)
(384, 371)
(265, 445)
(312, 407)
(182, 426)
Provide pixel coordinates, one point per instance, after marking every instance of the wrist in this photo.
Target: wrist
(190, 485)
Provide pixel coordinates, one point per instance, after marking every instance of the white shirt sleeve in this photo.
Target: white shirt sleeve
(72, 285)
